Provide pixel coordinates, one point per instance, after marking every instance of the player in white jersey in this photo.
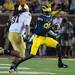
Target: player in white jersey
(16, 29)
(20, 21)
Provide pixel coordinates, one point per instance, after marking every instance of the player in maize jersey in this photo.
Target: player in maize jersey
(43, 27)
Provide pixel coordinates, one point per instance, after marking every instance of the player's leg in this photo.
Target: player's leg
(50, 42)
(37, 41)
(18, 46)
(9, 52)
(16, 59)
(12, 40)
(60, 63)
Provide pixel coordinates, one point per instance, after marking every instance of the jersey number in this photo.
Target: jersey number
(15, 19)
(47, 25)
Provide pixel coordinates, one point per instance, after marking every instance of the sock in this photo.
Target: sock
(59, 54)
(13, 64)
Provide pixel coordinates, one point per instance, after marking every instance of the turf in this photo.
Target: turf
(40, 66)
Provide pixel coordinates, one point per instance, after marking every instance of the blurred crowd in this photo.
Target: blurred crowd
(35, 5)
(65, 6)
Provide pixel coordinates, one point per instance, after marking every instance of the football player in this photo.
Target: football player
(43, 27)
(20, 22)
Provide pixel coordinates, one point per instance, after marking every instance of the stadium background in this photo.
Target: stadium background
(35, 10)
(38, 65)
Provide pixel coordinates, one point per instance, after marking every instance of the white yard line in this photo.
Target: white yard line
(73, 59)
(3, 58)
(2, 66)
(20, 68)
(5, 64)
(22, 72)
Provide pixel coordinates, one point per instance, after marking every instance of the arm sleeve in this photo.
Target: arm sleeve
(52, 33)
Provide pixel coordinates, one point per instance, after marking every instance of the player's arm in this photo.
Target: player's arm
(27, 29)
(53, 34)
(27, 25)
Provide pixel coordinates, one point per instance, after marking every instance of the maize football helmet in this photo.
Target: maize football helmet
(46, 10)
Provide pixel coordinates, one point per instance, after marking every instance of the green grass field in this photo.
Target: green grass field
(38, 66)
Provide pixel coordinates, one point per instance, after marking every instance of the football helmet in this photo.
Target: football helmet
(46, 9)
(23, 7)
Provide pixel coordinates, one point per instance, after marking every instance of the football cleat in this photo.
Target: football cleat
(61, 65)
(12, 68)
